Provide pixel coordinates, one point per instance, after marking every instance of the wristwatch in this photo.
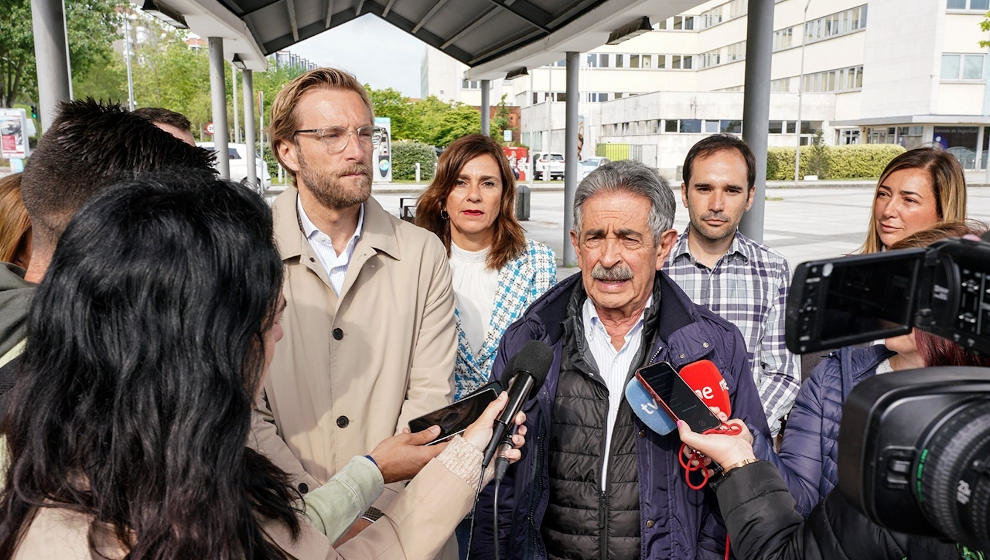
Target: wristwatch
(372, 514)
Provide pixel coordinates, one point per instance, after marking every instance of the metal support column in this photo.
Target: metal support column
(219, 97)
(486, 108)
(51, 54)
(756, 106)
(570, 153)
(252, 174)
(233, 103)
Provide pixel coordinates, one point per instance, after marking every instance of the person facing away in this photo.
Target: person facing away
(496, 271)
(172, 122)
(369, 331)
(89, 146)
(597, 482)
(741, 280)
(148, 342)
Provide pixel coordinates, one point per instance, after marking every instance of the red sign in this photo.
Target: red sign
(210, 129)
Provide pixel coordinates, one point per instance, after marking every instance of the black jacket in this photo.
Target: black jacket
(759, 513)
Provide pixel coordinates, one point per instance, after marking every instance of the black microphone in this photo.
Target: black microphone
(524, 374)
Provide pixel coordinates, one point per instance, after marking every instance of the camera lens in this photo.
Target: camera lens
(952, 473)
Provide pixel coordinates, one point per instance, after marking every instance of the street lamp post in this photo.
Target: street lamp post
(127, 59)
(797, 127)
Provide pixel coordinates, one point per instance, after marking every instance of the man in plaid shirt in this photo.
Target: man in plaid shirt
(739, 279)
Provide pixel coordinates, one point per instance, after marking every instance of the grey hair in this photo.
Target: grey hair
(634, 177)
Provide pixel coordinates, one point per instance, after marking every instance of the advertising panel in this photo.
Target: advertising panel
(14, 131)
(382, 156)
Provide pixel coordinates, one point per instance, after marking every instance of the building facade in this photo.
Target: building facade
(861, 71)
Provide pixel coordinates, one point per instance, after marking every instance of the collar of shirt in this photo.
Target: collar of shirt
(681, 249)
(334, 264)
(595, 331)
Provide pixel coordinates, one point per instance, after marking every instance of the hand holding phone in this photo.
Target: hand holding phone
(455, 418)
(676, 397)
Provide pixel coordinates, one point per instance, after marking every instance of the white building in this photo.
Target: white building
(874, 71)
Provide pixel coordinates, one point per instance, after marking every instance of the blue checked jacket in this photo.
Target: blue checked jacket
(520, 282)
(748, 288)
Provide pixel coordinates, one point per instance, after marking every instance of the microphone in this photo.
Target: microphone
(647, 409)
(524, 374)
(707, 382)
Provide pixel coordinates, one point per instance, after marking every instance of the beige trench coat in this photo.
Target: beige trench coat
(352, 371)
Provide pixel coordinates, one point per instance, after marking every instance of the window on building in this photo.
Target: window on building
(470, 84)
(691, 125)
(662, 25)
(810, 127)
(620, 60)
(962, 67)
(710, 18)
(780, 85)
(711, 126)
(835, 24)
(776, 127)
(840, 79)
(592, 59)
(561, 96)
(981, 5)
(791, 127)
(661, 61)
(730, 126)
(682, 23)
(634, 61)
(675, 61)
(782, 38)
(737, 8)
(670, 125)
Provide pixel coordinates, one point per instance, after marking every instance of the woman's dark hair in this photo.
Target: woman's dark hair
(933, 349)
(145, 349)
(508, 241)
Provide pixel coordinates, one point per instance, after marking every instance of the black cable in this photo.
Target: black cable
(495, 518)
(477, 496)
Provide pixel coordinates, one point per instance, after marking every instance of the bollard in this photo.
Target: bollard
(522, 202)
(417, 171)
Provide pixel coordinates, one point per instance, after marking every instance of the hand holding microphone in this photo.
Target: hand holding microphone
(479, 433)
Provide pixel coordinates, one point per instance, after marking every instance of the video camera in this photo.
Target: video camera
(914, 446)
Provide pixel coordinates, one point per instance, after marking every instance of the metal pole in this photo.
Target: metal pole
(756, 106)
(570, 153)
(219, 97)
(50, 52)
(252, 174)
(797, 126)
(127, 58)
(486, 108)
(233, 101)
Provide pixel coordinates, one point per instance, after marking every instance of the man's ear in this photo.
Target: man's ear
(751, 195)
(684, 194)
(667, 241)
(288, 154)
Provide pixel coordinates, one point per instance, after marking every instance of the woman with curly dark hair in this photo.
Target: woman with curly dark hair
(127, 429)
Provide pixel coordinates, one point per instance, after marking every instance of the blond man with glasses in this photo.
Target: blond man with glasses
(369, 332)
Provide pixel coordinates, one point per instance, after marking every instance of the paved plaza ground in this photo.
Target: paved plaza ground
(803, 223)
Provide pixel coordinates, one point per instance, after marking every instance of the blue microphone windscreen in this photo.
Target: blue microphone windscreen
(643, 405)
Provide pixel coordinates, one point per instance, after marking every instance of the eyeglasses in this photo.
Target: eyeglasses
(335, 138)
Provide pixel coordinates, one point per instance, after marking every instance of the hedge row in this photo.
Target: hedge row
(405, 155)
(857, 161)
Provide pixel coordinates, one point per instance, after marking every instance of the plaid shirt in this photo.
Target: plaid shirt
(748, 287)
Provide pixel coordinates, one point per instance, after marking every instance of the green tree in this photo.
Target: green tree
(167, 73)
(501, 121)
(392, 104)
(91, 26)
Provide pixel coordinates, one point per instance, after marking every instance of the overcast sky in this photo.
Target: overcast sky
(371, 49)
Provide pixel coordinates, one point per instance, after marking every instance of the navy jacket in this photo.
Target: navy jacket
(807, 458)
(675, 522)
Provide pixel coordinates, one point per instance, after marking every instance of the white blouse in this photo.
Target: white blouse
(474, 292)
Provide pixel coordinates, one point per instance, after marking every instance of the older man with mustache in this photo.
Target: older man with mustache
(596, 482)
(369, 333)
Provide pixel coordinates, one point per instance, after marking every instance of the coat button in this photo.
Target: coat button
(303, 488)
(650, 524)
(642, 433)
(705, 345)
(681, 356)
(342, 422)
(338, 333)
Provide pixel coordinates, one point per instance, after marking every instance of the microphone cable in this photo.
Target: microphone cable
(477, 496)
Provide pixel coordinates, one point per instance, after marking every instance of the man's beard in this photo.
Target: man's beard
(328, 188)
(703, 229)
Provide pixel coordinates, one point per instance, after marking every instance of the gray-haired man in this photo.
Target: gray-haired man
(595, 481)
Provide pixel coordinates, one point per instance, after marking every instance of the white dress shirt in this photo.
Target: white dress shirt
(613, 365)
(334, 264)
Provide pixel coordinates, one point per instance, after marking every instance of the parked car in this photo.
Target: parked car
(588, 165)
(552, 162)
(238, 165)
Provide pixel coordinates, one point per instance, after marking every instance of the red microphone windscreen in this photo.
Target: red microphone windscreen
(704, 377)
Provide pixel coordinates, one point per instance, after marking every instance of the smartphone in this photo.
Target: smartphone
(456, 417)
(676, 397)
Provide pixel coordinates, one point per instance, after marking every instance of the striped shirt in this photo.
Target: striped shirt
(748, 288)
(613, 365)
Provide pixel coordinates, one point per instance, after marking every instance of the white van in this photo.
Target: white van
(238, 165)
